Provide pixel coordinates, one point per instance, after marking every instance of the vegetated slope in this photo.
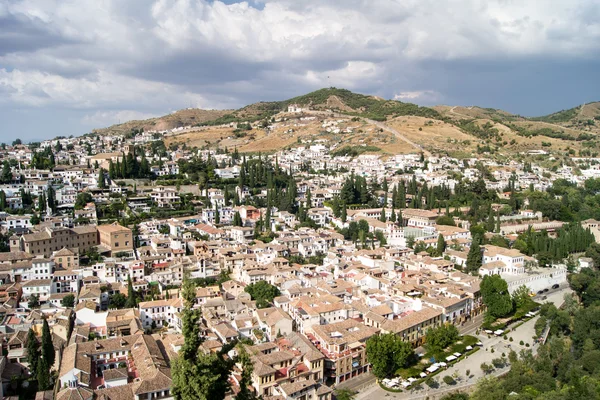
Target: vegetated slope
(339, 100)
(186, 117)
(585, 117)
(474, 112)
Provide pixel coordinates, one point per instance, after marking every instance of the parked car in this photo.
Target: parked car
(555, 286)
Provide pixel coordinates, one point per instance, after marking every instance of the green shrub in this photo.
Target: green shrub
(448, 380)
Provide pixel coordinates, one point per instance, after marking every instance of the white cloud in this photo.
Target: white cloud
(35, 88)
(148, 56)
(418, 95)
(106, 118)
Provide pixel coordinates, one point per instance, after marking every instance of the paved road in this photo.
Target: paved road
(525, 332)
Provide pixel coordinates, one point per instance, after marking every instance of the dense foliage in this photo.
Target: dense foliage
(263, 293)
(387, 353)
(568, 365)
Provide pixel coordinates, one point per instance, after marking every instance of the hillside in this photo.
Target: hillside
(328, 99)
(342, 118)
(187, 117)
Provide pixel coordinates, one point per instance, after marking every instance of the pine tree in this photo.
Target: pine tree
(393, 215)
(308, 198)
(344, 215)
(400, 218)
(47, 346)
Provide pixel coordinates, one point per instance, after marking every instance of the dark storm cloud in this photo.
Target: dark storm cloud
(20, 33)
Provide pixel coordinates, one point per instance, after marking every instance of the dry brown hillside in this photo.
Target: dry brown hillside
(190, 116)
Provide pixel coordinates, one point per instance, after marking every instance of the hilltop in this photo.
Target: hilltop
(383, 126)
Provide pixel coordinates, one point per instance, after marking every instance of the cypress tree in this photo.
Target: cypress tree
(131, 301)
(474, 257)
(2, 200)
(33, 351)
(441, 244)
(47, 346)
(382, 218)
(101, 181)
(43, 374)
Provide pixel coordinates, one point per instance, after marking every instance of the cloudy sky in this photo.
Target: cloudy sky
(67, 66)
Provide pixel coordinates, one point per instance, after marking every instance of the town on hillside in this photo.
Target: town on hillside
(135, 269)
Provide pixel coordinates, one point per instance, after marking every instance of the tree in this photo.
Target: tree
(437, 339)
(475, 256)
(82, 199)
(445, 220)
(198, 375)
(68, 301)
(593, 251)
(521, 297)
(237, 219)
(382, 217)
(486, 368)
(263, 292)
(131, 297)
(448, 380)
(2, 200)
(441, 244)
(117, 301)
(344, 394)
(495, 295)
(48, 352)
(43, 374)
(387, 353)
(101, 179)
(33, 351)
(246, 389)
(34, 301)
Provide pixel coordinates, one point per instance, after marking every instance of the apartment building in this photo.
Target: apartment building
(51, 239)
(344, 346)
(115, 238)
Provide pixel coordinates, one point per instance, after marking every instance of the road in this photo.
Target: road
(378, 124)
(400, 136)
(493, 347)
